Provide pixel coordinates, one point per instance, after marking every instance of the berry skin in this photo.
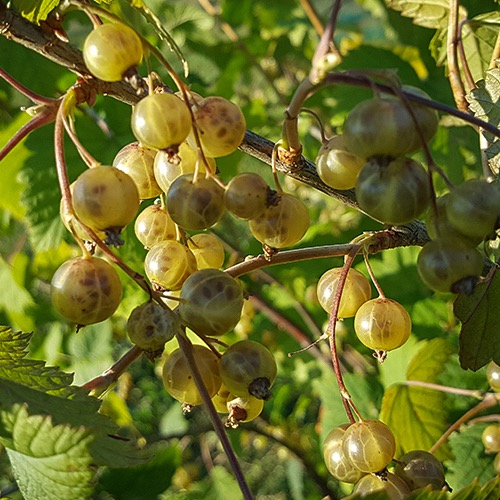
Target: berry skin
(221, 126)
(153, 225)
(370, 445)
(137, 161)
(110, 50)
(208, 250)
(246, 196)
(356, 291)
(491, 438)
(392, 486)
(384, 127)
(150, 326)
(211, 302)
(86, 290)
(282, 224)
(105, 198)
(382, 324)
(419, 468)
(248, 368)
(337, 463)
(493, 375)
(393, 192)
(179, 381)
(161, 121)
(195, 205)
(444, 263)
(242, 410)
(168, 264)
(336, 165)
(473, 208)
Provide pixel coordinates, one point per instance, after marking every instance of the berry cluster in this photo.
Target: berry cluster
(360, 453)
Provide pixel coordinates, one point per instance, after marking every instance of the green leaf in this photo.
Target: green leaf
(475, 492)
(471, 462)
(48, 461)
(35, 10)
(480, 317)
(14, 298)
(424, 13)
(417, 415)
(484, 102)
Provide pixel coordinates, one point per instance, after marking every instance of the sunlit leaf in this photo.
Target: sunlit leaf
(480, 317)
(35, 10)
(484, 102)
(477, 492)
(424, 13)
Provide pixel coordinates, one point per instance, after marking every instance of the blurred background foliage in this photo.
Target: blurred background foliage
(258, 66)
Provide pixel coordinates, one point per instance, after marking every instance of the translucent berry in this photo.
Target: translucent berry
(493, 375)
(86, 290)
(242, 409)
(211, 302)
(390, 484)
(154, 225)
(208, 250)
(491, 438)
(419, 468)
(248, 368)
(246, 196)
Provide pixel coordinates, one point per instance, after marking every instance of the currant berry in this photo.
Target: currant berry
(337, 463)
(491, 438)
(211, 302)
(439, 226)
(167, 167)
(356, 291)
(220, 399)
(246, 196)
(161, 121)
(419, 468)
(337, 167)
(493, 375)
(69, 222)
(208, 250)
(110, 50)
(150, 326)
(105, 198)
(242, 409)
(393, 191)
(283, 223)
(248, 368)
(382, 324)
(154, 225)
(473, 208)
(391, 485)
(86, 290)
(384, 127)
(449, 265)
(195, 205)
(168, 264)
(221, 126)
(178, 378)
(369, 444)
(137, 161)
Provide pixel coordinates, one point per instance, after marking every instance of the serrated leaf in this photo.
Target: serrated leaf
(484, 102)
(47, 392)
(471, 462)
(480, 317)
(491, 490)
(48, 461)
(35, 10)
(427, 13)
(417, 415)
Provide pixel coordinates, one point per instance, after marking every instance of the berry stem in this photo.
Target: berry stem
(186, 347)
(443, 388)
(490, 400)
(33, 96)
(332, 324)
(375, 282)
(101, 383)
